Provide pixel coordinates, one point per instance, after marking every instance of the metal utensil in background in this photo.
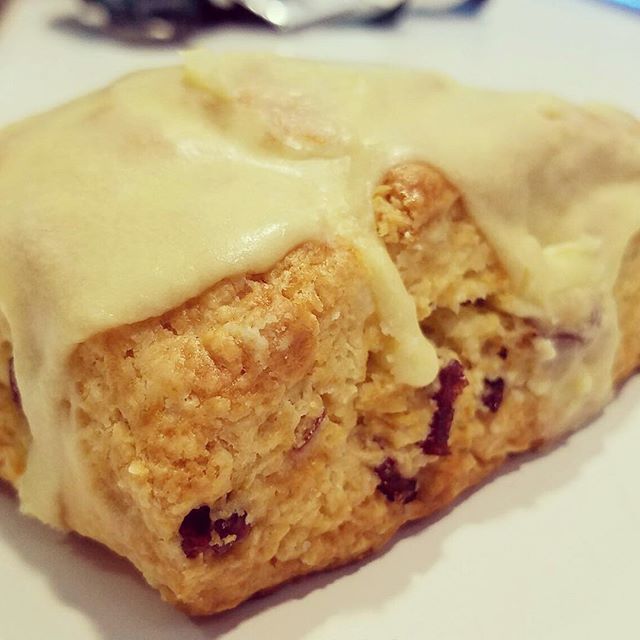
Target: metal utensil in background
(293, 14)
(158, 21)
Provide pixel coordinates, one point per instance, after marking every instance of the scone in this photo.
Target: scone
(258, 313)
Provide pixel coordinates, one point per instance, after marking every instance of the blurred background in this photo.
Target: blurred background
(51, 50)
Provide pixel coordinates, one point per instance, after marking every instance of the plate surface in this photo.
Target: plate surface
(549, 549)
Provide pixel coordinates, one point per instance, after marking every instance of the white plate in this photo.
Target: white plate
(547, 550)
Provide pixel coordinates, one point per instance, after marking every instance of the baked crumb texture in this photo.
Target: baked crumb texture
(255, 434)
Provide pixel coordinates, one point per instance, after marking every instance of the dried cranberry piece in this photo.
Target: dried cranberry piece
(235, 525)
(310, 430)
(13, 385)
(393, 485)
(195, 531)
(452, 382)
(493, 393)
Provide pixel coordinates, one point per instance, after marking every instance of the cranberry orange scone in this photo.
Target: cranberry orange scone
(258, 313)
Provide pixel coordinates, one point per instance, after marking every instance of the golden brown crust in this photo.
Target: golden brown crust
(268, 398)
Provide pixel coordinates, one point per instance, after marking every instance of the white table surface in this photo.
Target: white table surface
(547, 550)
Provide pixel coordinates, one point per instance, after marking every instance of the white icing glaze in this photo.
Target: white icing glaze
(129, 201)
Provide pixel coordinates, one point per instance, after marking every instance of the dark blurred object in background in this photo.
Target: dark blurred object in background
(168, 21)
(146, 20)
(158, 21)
